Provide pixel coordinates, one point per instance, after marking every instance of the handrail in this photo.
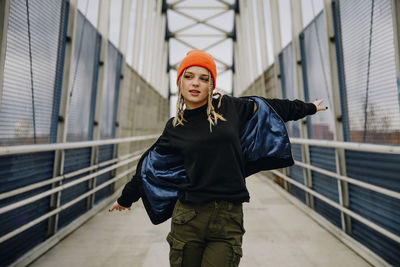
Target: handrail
(34, 198)
(112, 164)
(64, 177)
(365, 221)
(388, 149)
(10, 150)
(365, 185)
(63, 207)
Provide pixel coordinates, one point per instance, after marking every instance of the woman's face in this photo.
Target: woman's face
(195, 87)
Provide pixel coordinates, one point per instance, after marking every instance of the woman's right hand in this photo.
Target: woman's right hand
(118, 207)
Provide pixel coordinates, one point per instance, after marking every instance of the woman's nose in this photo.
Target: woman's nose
(195, 81)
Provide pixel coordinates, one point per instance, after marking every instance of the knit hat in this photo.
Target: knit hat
(198, 58)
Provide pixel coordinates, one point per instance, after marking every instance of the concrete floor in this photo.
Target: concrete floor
(277, 234)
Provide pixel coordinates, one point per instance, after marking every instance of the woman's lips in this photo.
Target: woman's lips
(194, 92)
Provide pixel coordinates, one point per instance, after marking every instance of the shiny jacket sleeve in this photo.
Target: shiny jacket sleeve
(132, 190)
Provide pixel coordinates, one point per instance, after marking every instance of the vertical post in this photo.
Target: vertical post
(263, 34)
(4, 14)
(124, 29)
(148, 32)
(297, 26)
(237, 59)
(165, 80)
(263, 44)
(124, 83)
(244, 72)
(252, 38)
(277, 43)
(62, 125)
(153, 68)
(164, 83)
(138, 33)
(238, 62)
(276, 32)
(103, 27)
(337, 111)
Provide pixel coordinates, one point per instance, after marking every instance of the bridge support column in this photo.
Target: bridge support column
(297, 27)
(62, 126)
(332, 41)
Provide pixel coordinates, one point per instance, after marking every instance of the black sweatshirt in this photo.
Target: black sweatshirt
(214, 161)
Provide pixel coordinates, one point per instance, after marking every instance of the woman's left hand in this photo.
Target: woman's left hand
(317, 104)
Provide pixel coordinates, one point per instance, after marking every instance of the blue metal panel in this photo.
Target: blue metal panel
(20, 125)
(83, 80)
(369, 93)
(296, 172)
(105, 153)
(17, 171)
(109, 104)
(289, 91)
(287, 63)
(381, 170)
(317, 85)
(316, 77)
(75, 159)
(340, 66)
(29, 103)
(325, 158)
(81, 113)
(109, 115)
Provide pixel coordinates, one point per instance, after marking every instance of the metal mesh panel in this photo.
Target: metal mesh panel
(289, 84)
(325, 158)
(75, 159)
(316, 77)
(17, 171)
(105, 153)
(110, 94)
(371, 102)
(381, 209)
(28, 114)
(29, 106)
(83, 80)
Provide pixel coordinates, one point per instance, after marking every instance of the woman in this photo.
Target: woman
(196, 170)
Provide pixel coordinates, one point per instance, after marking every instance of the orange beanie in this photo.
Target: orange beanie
(198, 58)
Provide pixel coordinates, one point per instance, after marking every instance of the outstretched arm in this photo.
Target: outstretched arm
(293, 110)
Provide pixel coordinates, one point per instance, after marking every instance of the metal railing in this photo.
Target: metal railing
(385, 149)
(114, 164)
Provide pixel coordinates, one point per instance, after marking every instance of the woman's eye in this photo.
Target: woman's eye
(205, 79)
(187, 76)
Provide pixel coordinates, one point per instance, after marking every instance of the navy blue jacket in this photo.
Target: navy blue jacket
(265, 145)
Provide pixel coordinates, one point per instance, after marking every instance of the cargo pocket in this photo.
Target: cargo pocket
(237, 255)
(184, 217)
(175, 251)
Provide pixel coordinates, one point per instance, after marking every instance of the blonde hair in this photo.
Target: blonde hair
(212, 115)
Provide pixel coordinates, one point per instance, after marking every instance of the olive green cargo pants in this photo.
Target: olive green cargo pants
(206, 234)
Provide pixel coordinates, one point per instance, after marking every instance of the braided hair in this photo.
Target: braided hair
(212, 115)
